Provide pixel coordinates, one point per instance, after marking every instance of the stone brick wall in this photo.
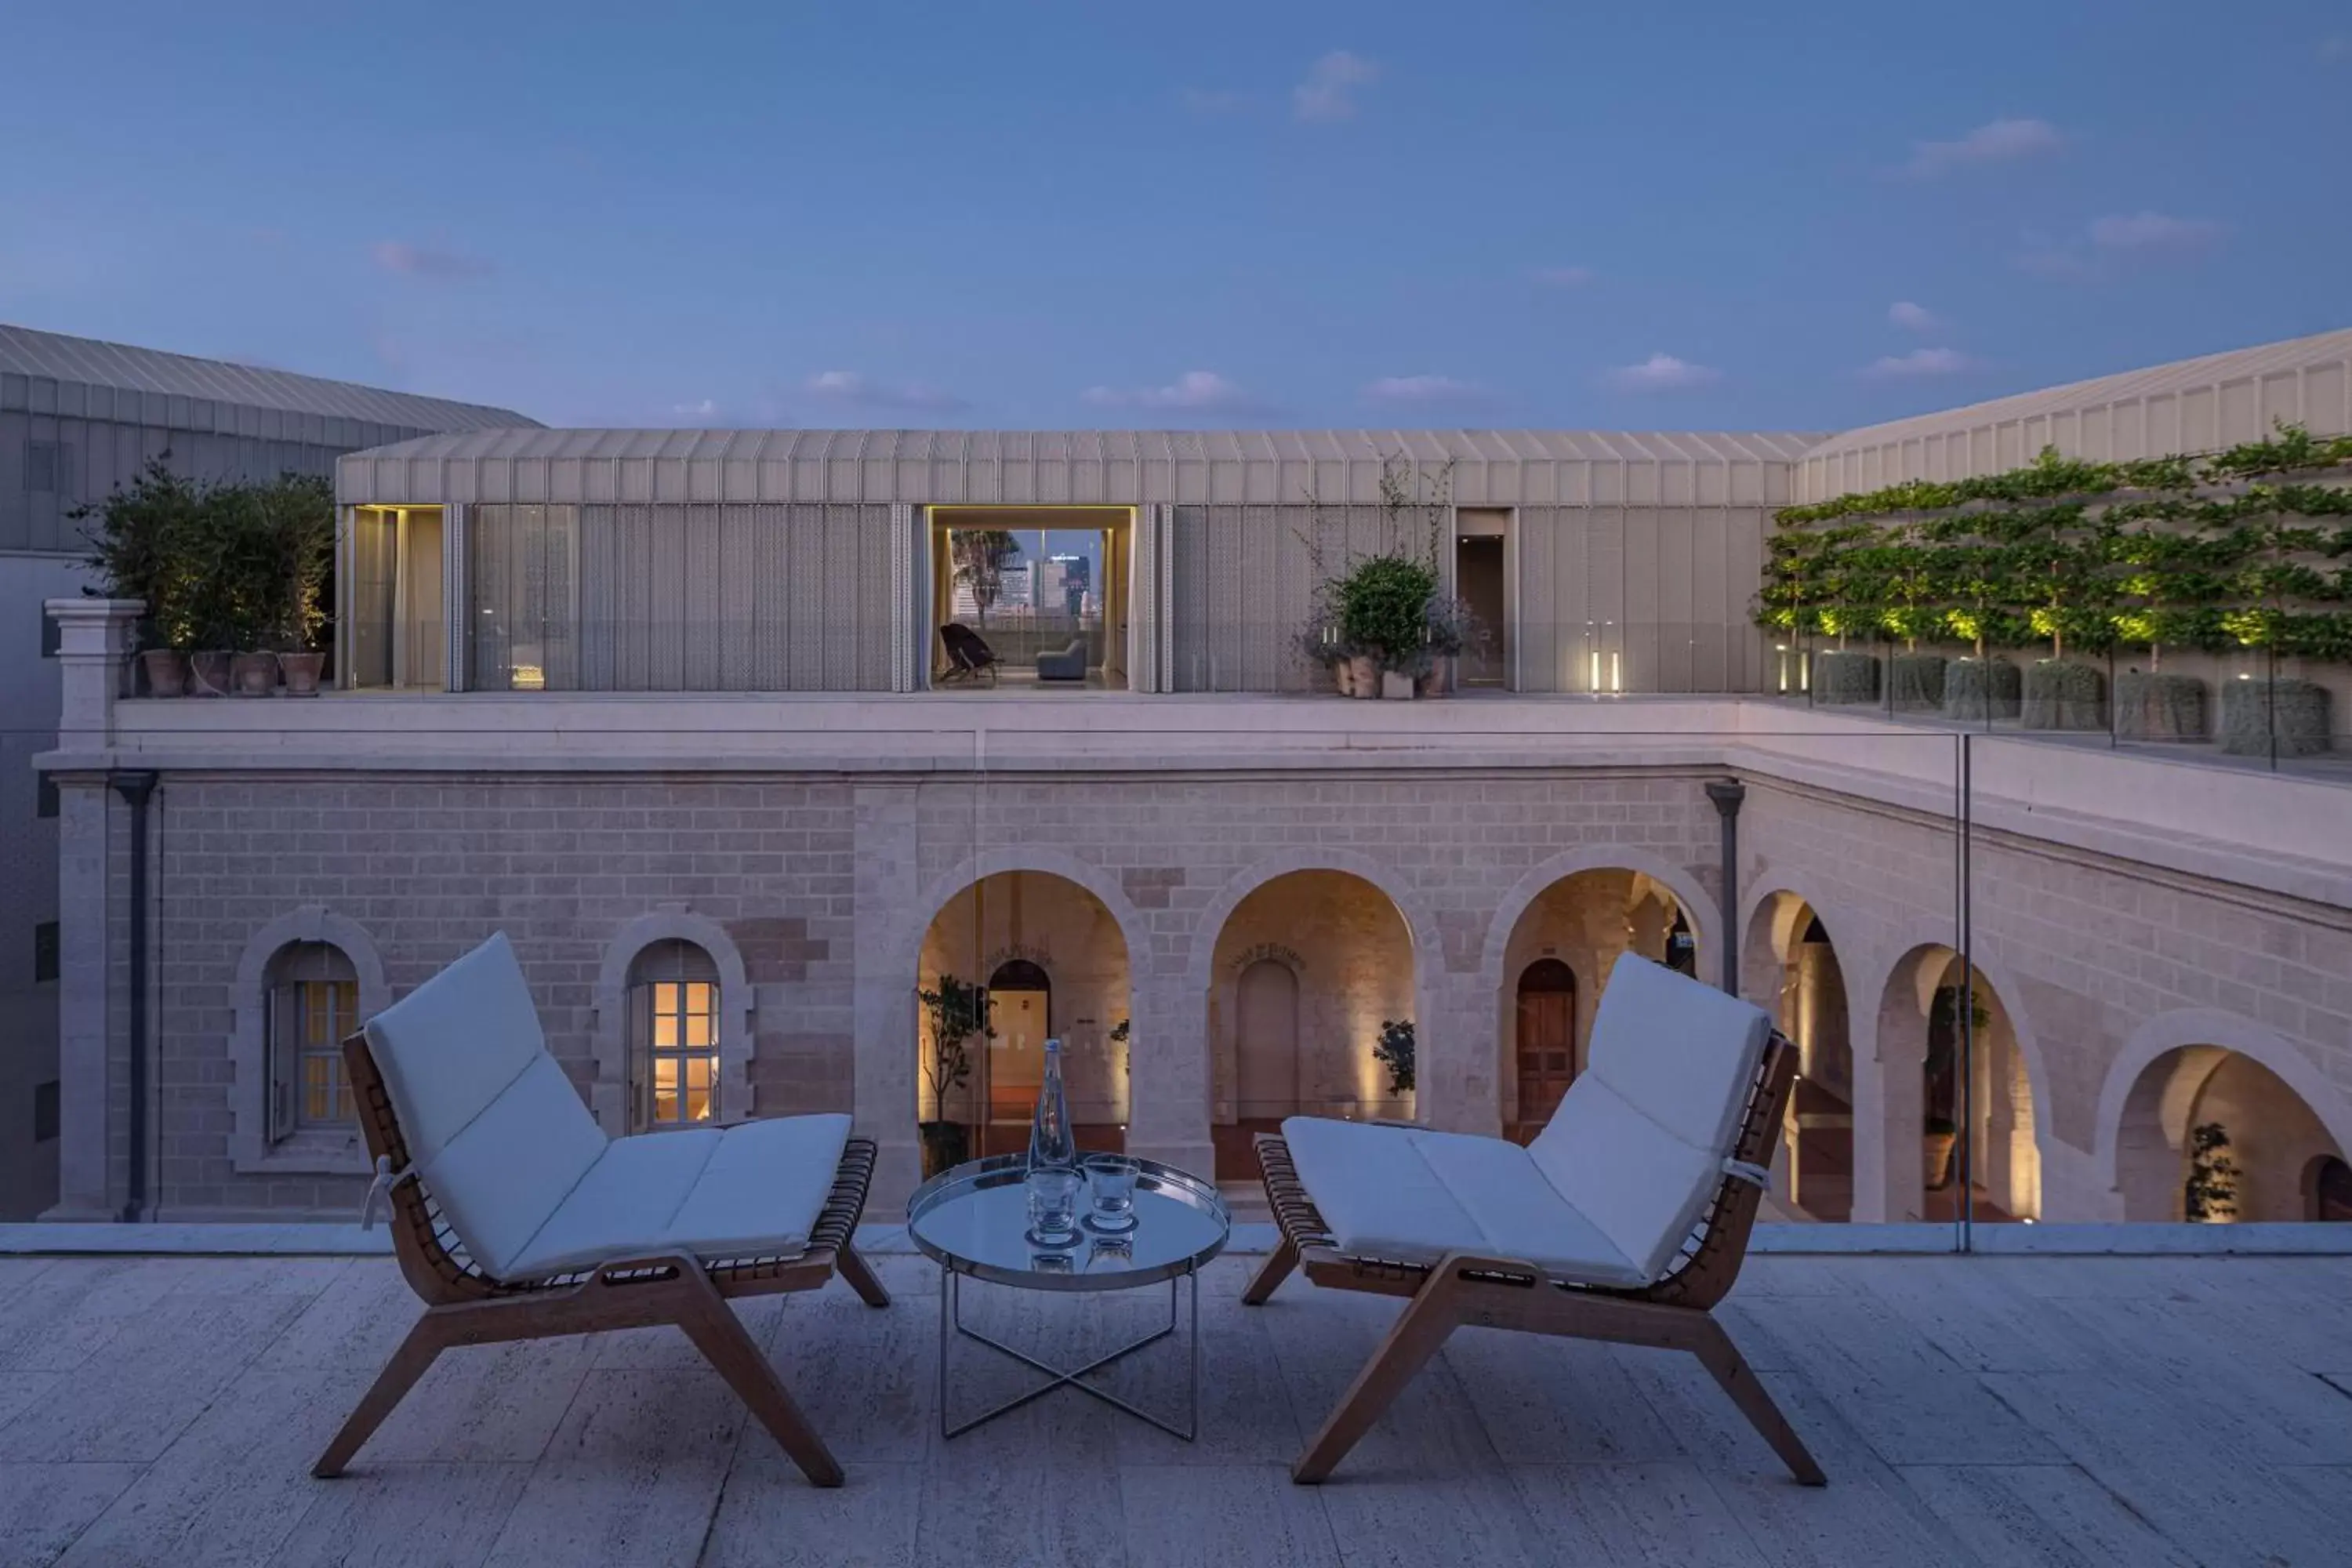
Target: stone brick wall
(825, 888)
(2095, 959)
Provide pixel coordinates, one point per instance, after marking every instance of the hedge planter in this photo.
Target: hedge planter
(1978, 690)
(301, 671)
(1918, 681)
(2063, 695)
(167, 671)
(2159, 707)
(1843, 677)
(2253, 711)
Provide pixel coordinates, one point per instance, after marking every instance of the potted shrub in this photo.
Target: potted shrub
(2209, 1196)
(2064, 694)
(1395, 1050)
(953, 1013)
(1940, 1127)
(1450, 627)
(298, 525)
(141, 548)
(1383, 607)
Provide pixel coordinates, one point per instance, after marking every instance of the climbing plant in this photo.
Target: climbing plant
(2249, 547)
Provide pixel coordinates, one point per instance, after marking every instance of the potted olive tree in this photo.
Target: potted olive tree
(953, 1013)
(1383, 610)
(143, 545)
(296, 515)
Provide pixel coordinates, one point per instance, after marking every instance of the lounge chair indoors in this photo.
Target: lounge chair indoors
(1625, 1220)
(969, 656)
(515, 1217)
(1064, 664)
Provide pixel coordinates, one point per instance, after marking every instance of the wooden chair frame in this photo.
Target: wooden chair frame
(1674, 1313)
(463, 1306)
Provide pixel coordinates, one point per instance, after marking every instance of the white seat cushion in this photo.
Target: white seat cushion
(495, 1130)
(751, 1191)
(1413, 1195)
(1638, 1143)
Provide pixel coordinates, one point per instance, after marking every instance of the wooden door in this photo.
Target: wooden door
(1546, 1040)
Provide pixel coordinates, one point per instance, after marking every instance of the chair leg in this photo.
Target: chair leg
(418, 1352)
(851, 1266)
(1423, 1326)
(1271, 1274)
(719, 1335)
(1721, 1357)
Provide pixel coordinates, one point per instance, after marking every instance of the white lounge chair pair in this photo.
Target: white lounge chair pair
(1627, 1220)
(514, 1216)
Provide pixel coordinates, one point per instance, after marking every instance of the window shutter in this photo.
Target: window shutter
(281, 1060)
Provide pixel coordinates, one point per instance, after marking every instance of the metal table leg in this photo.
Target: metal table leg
(951, 1318)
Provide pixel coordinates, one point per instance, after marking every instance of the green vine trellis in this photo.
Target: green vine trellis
(2241, 548)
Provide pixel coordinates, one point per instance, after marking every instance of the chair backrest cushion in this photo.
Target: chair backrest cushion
(1639, 1141)
(495, 1130)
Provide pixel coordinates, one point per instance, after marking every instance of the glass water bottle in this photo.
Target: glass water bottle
(1052, 1145)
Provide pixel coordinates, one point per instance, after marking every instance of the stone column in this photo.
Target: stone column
(888, 936)
(1168, 1068)
(94, 642)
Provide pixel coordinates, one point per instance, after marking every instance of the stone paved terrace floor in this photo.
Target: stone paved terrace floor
(2091, 1410)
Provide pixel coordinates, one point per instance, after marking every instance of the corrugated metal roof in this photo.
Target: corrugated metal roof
(1103, 446)
(88, 362)
(2294, 357)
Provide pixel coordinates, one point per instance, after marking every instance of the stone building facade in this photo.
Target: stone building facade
(2120, 961)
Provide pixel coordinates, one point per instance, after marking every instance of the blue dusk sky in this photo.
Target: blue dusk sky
(1705, 216)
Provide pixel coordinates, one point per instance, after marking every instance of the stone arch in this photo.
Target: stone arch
(1094, 983)
(1702, 911)
(1778, 895)
(1888, 1038)
(249, 1147)
(609, 1097)
(1804, 987)
(1355, 961)
(907, 950)
(1420, 917)
(2187, 1030)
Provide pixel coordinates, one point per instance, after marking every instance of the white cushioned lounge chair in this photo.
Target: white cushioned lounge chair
(1626, 1219)
(514, 1216)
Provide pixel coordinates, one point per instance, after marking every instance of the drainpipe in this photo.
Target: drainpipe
(134, 789)
(1728, 793)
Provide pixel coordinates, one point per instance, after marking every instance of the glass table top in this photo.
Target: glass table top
(974, 1219)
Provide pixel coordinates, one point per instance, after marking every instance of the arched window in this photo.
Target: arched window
(1546, 1040)
(314, 1002)
(673, 1036)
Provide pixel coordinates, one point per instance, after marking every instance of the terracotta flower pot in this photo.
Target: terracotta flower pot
(1936, 1160)
(301, 672)
(1363, 676)
(254, 674)
(1343, 675)
(167, 671)
(208, 674)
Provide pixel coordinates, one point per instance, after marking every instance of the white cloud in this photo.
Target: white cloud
(1211, 101)
(1194, 392)
(1997, 141)
(2152, 231)
(1920, 362)
(423, 261)
(1329, 90)
(1912, 318)
(1422, 390)
(852, 390)
(1563, 276)
(2338, 47)
(703, 409)
(1663, 373)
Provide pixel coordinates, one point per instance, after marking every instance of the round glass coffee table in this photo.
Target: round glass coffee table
(974, 1220)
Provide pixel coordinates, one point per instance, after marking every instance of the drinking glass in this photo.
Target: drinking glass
(1053, 1207)
(1111, 1178)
